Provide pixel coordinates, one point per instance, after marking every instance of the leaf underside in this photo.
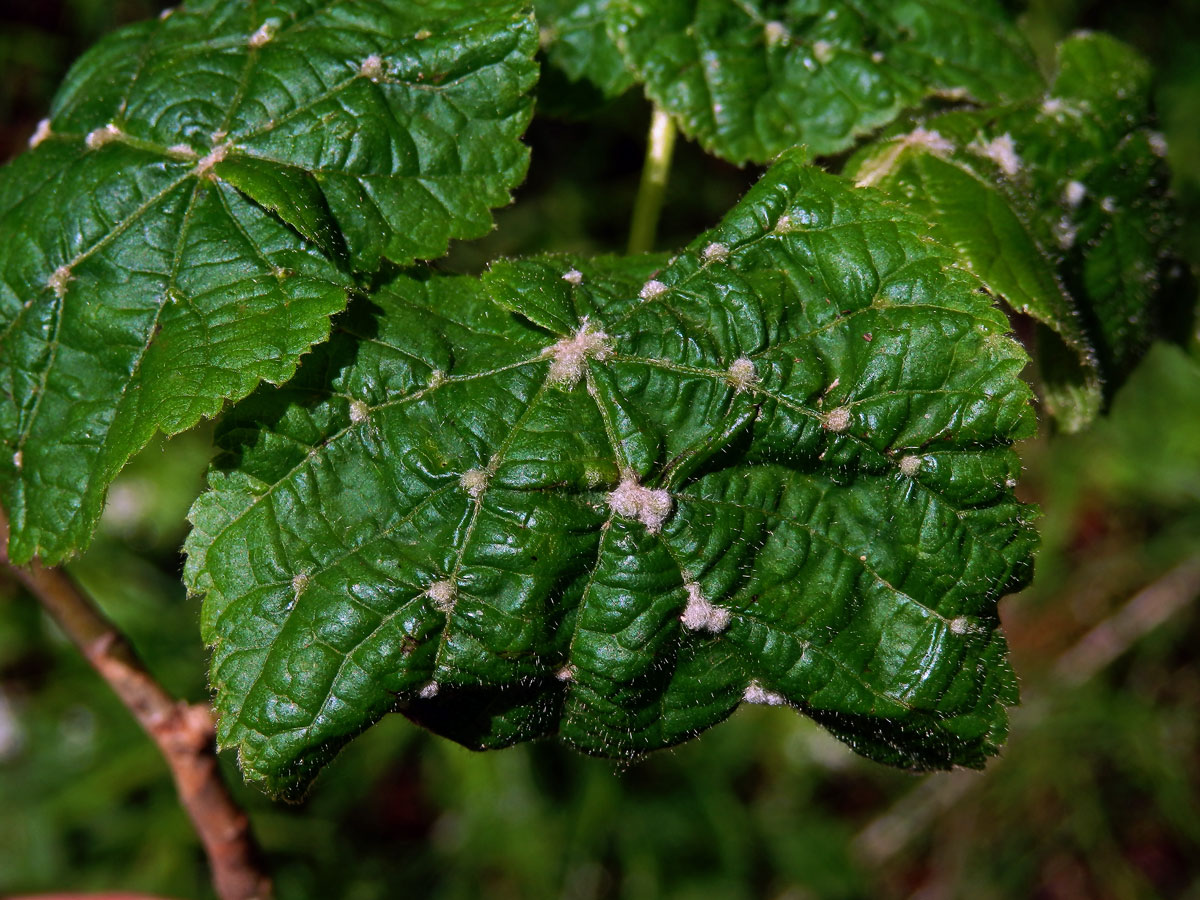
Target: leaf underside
(184, 226)
(611, 499)
(750, 79)
(1060, 205)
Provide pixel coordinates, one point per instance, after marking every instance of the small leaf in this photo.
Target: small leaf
(612, 499)
(1059, 204)
(184, 226)
(750, 79)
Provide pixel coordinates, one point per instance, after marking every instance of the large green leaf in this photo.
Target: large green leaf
(1059, 204)
(612, 499)
(750, 78)
(180, 230)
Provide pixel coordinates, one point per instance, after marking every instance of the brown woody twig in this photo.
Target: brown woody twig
(183, 732)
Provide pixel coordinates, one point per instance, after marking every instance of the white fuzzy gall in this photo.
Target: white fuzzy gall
(474, 482)
(101, 136)
(359, 412)
(650, 507)
(373, 68)
(57, 281)
(823, 51)
(42, 132)
(216, 155)
(756, 693)
(571, 354)
(700, 615)
(1002, 151)
(1074, 193)
(837, 419)
(442, 593)
(741, 374)
(263, 35)
(652, 289)
(429, 691)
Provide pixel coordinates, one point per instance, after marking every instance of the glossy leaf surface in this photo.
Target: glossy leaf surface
(575, 35)
(183, 226)
(1059, 204)
(750, 79)
(611, 499)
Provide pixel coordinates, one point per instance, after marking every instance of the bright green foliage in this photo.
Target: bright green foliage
(1059, 205)
(575, 35)
(182, 227)
(750, 78)
(611, 499)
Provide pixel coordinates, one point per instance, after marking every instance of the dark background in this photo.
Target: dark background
(1096, 796)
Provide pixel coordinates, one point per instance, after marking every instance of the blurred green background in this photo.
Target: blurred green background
(1097, 794)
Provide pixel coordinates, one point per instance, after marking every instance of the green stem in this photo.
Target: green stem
(655, 173)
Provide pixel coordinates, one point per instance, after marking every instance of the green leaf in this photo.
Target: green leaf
(612, 499)
(1059, 204)
(184, 225)
(750, 78)
(575, 36)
